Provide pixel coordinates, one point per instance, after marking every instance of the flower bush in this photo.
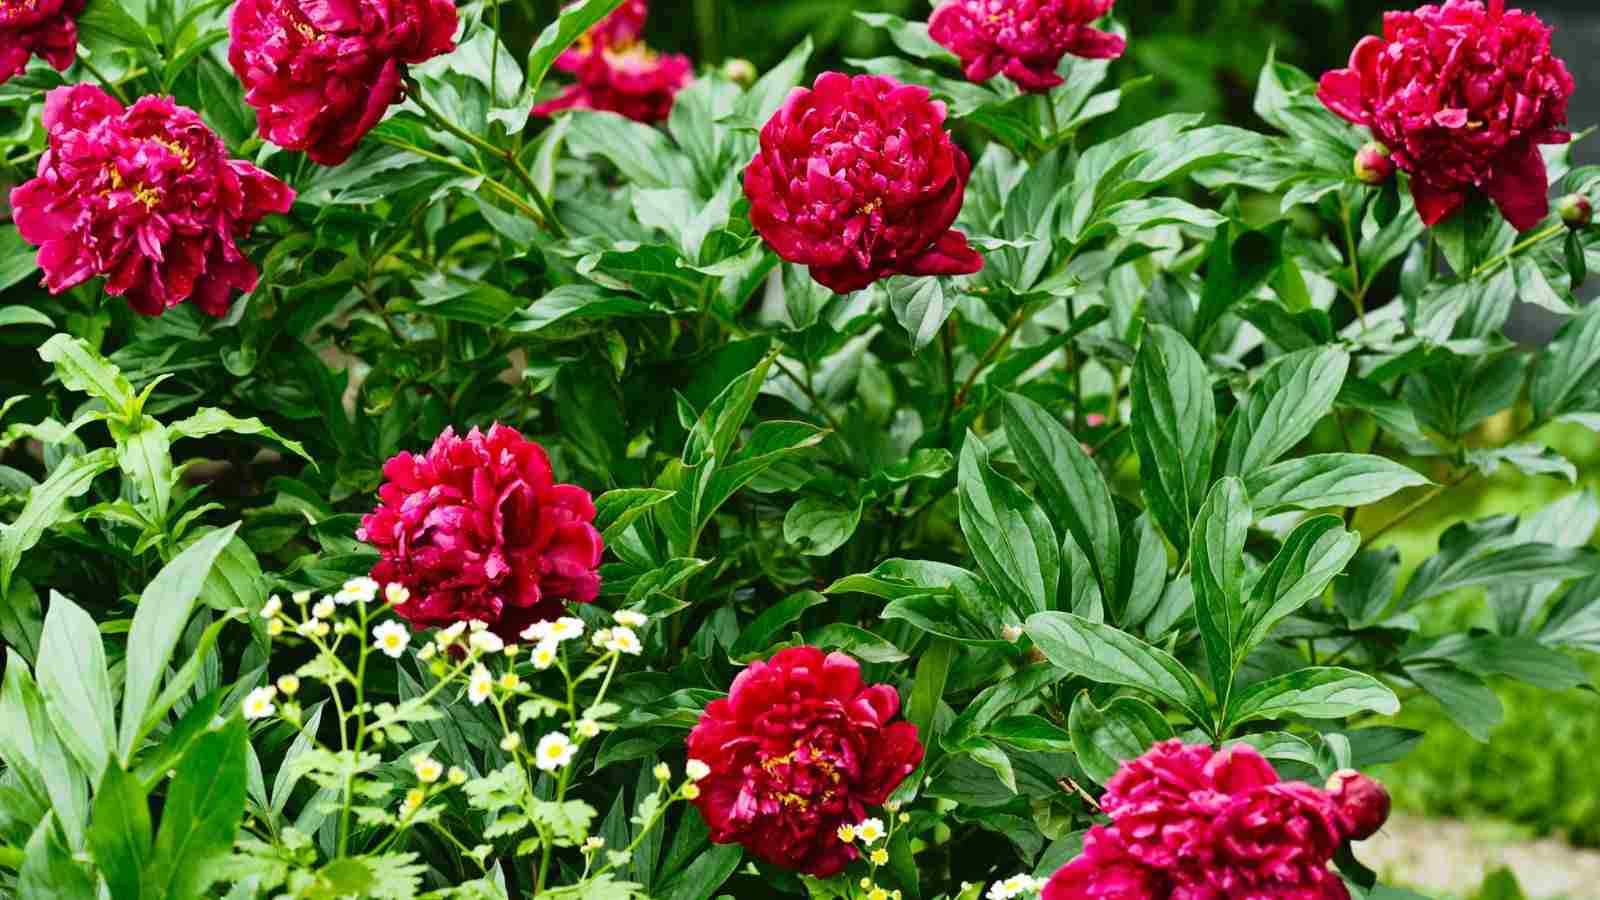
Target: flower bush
(461, 451)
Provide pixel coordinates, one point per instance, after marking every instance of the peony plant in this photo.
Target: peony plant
(470, 450)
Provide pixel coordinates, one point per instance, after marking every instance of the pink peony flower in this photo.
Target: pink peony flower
(44, 28)
(857, 178)
(632, 81)
(621, 28)
(798, 748)
(1190, 823)
(146, 196)
(1023, 39)
(322, 73)
(1464, 96)
(477, 529)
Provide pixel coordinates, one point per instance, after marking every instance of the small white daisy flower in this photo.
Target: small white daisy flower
(564, 629)
(477, 625)
(696, 770)
(588, 728)
(396, 594)
(258, 703)
(480, 686)
(663, 772)
(554, 752)
(870, 830)
(272, 607)
(623, 640)
(301, 597)
(544, 656)
(511, 742)
(448, 636)
(486, 642)
(289, 685)
(427, 768)
(357, 590)
(538, 631)
(391, 638)
(307, 628)
(323, 609)
(630, 618)
(601, 637)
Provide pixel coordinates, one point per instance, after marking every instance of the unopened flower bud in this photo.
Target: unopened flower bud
(1012, 633)
(1575, 210)
(1373, 164)
(1362, 802)
(740, 71)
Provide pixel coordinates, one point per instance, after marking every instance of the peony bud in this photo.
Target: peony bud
(1576, 211)
(1373, 164)
(739, 71)
(1362, 802)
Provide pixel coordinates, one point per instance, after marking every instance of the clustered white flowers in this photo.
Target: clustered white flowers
(1015, 886)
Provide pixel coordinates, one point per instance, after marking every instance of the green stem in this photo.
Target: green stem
(993, 353)
(546, 216)
(1517, 248)
(112, 86)
(811, 394)
(508, 194)
(10, 857)
(1357, 289)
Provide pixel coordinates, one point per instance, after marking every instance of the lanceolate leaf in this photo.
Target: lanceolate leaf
(1071, 487)
(1318, 693)
(73, 678)
(1104, 738)
(1008, 533)
(1281, 408)
(573, 21)
(1174, 429)
(204, 805)
(1314, 554)
(1327, 479)
(45, 504)
(1217, 564)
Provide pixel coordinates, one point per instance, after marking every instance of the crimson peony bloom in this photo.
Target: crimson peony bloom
(44, 28)
(1363, 803)
(632, 81)
(146, 196)
(477, 529)
(798, 748)
(857, 178)
(1190, 823)
(1023, 39)
(322, 73)
(1464, 96)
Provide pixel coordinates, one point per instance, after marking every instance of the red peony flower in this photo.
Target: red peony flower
(632, 81)
(1190, 823)
(1464, 96)
(477, 529)
(798, 748)
(146, 196)
(322, 73)
(621, 28)
(1023, 39)
(857, 178)
(44, 28)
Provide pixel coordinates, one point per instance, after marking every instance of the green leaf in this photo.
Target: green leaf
(921, 306)
(30, 748)
(1241, 261)
(1008, 533)
(22, 315)
(1315, 693)
(1575, 619)
(1104, 654)
(119, 832)
(1529, 459)
(1144, 572)
(162, 614)
(107, 21)
(718, 427)
(209, 420)
(1105, 738)
(145, 456)
(643, 155)
(616, 510)
(1072, 489)
(704, 875)
(48, 870)
(1470, 557)
(46, 503)
(17, 261)
(1327, 479)
(760, 633)
(203, 808)
(73, 678)
(820, 525)
(1282, 407)
(80, 368)
(574, 20)
(579, 303)
(1524, 659)
(1463, 697)
(1217, 562)
(769, 92)
(1312, 556)
(1174, 430)
(927, 690)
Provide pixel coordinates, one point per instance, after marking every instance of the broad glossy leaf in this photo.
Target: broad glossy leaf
(1105, 654)
(73, 678)
(1311, 557)
(1327, 479)
(46, 502)
(119, 832)
(1216, 558)
(1463, 697)
(203, 808)
(1316, 693)
(1105, 738)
